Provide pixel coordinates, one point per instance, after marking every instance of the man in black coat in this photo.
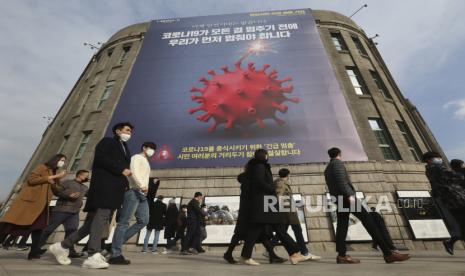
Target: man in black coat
(340, 187)
(109, 182)
(194, 220)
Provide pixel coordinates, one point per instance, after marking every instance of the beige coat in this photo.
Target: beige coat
(34, 196)
(283, 188)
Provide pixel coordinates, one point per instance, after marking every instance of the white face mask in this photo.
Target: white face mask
(125, 137)
(150, 152)
(60, 164)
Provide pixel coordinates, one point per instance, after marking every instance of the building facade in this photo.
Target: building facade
(392, 131)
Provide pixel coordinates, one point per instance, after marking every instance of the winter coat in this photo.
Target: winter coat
(108, 184)
(338, 180)
(260, 191)
(35, 195)
(157, 219)
(283, 189)
(172, 214)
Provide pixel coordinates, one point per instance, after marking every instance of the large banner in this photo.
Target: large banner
(211, 90)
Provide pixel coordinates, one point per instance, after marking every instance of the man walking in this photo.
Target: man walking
(66, 211)
(340, 186)
(134, 204)
(109, 182)
(194, 219)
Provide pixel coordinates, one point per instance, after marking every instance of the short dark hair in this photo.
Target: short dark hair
(198, 194)
(151, 145)
(334, 152)
(430, 155)
(120, 126)
(456, 164)
(52, 163)
(284, 172)
(81, 172)
(160, 197)
(261, 154)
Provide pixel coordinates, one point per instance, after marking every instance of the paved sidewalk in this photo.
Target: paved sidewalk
(422, 263)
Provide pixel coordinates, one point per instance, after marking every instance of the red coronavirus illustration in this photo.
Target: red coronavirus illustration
(242, 97)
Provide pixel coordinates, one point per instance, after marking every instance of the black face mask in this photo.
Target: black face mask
(85, 180)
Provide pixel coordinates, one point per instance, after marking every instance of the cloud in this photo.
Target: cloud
(459, 108)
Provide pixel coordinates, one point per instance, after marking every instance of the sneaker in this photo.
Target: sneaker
(164, 252)
(143, 251)
(119, 260)
(22, 248)
(193, 251)
(95, 261)
(60, 253)
(250, 261)
(312, 257)
(298, 258)
(185, 252)
(155, 253)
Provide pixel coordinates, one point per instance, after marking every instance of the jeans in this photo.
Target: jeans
(70, 222)
(135, 204)
(155, 239)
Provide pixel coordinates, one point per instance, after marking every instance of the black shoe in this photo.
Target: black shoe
(185, 252)
(75, 255)
(42, 251)
(200, 250)
(32, 256)
(277, 260)
(449, 247)
(229, 258)
(192, 251)
(22, 248)
(120, 260)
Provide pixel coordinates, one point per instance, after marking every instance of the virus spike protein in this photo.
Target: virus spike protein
(241, 97)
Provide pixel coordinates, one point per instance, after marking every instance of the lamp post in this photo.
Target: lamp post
(364, 6)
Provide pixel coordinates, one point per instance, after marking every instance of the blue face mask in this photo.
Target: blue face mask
(437, 161)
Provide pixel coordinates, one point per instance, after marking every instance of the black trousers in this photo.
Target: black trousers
(237, 237)
(385, 233)
(459, 215)
(193, 236)
(256, 230)
(364, 216)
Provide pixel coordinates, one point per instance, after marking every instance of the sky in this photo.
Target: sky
(42, 55)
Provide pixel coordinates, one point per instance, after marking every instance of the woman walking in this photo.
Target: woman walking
(28, 213)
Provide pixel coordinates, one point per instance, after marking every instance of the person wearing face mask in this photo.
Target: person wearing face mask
(66, 212)
(134, 204)
(436, 172)
(28, 213)
(108, 185)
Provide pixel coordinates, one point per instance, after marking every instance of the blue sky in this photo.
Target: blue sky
(42, 55)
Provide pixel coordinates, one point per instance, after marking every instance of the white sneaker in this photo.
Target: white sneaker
(95, 261)
(164, 252)
(60, 253)
(155, 252)
(312, 257)
(250, 261)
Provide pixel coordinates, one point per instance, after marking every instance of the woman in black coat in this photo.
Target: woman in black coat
(171, 224)
(258, 172)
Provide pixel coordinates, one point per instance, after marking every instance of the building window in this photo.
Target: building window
(413, 146)
(356, 80)
(338, 41)
(106, 94)
(84, 103)
(385, 142)
(62, 146)
(380, 84)
(80, 151)
(359, 46)
(124, 54)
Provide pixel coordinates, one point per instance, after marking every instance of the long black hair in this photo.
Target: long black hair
(52, 163)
